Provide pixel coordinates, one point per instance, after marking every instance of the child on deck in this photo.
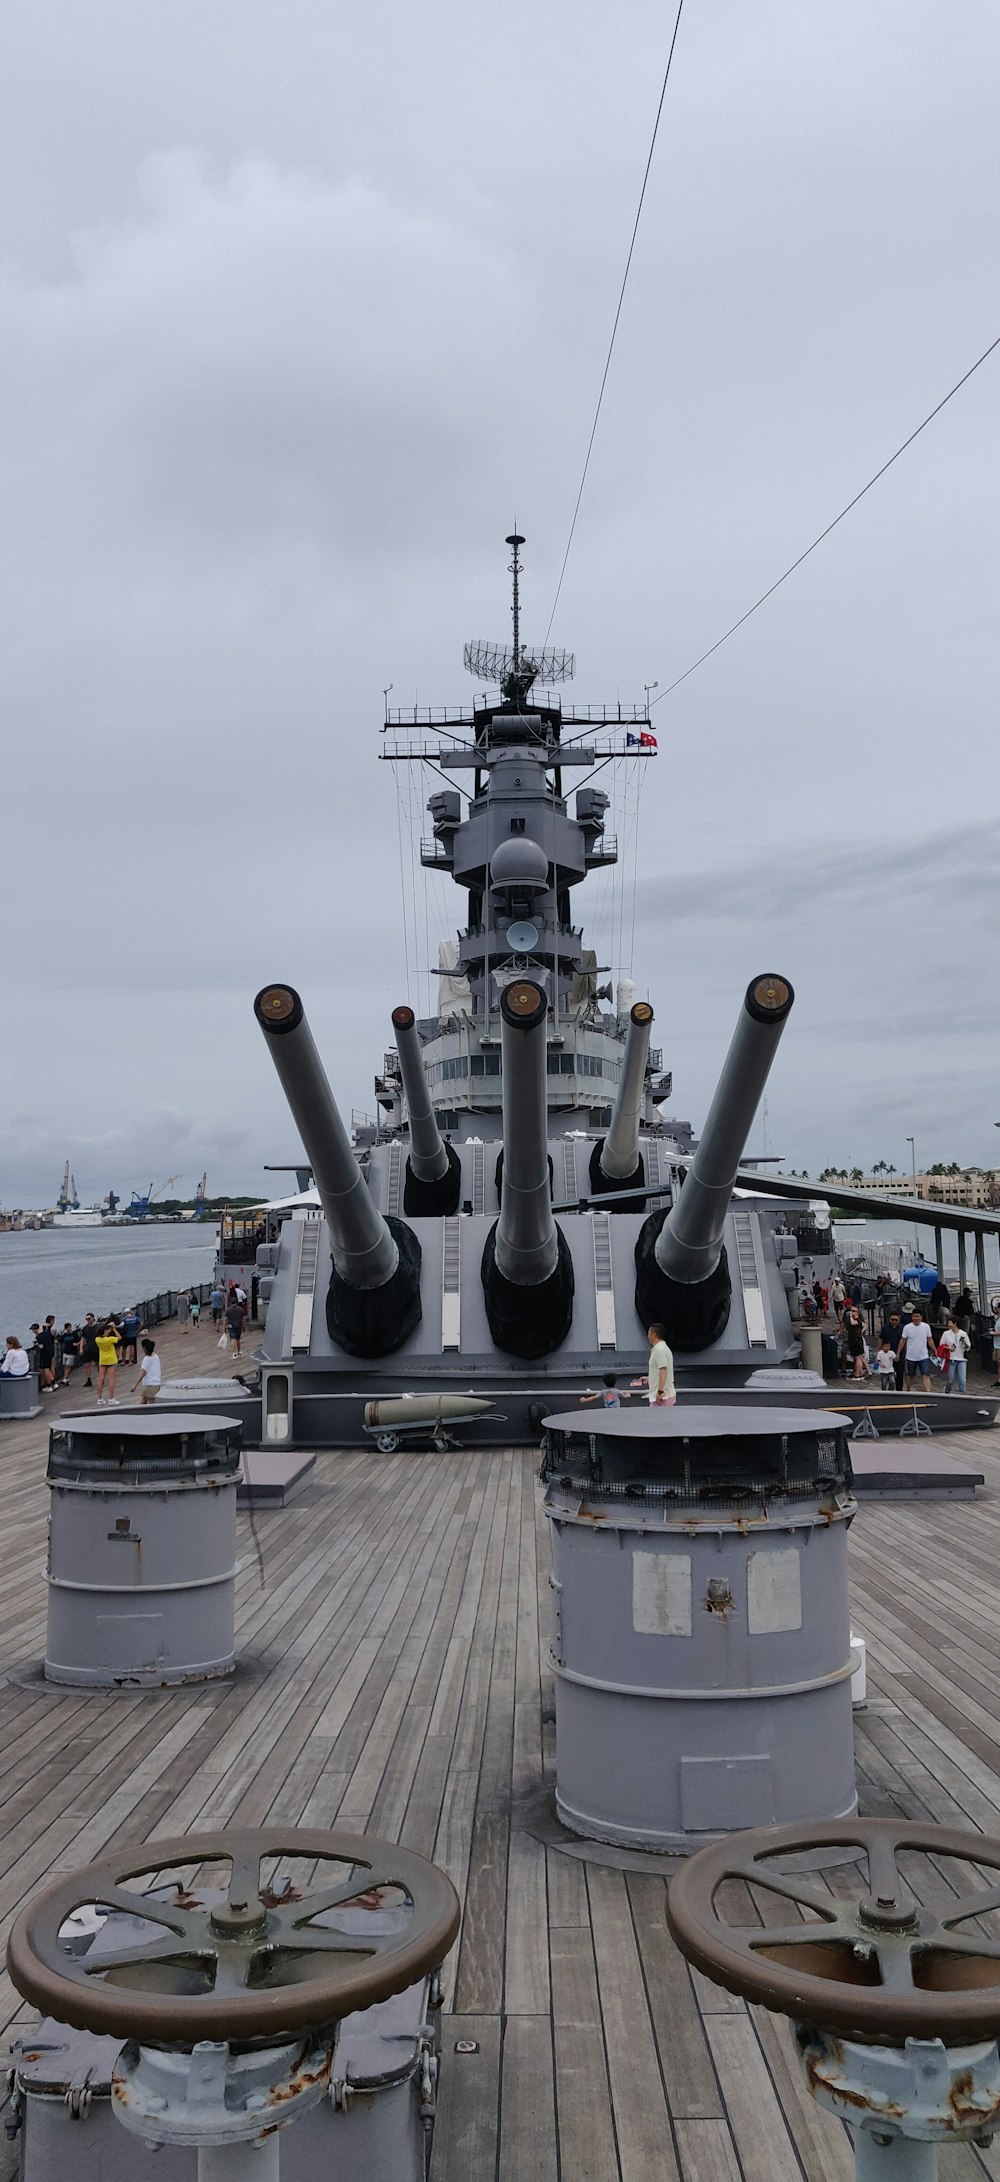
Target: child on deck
(885, 1367)
(609, 1396)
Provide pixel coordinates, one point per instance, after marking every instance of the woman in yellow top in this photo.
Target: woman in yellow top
(108, 1348)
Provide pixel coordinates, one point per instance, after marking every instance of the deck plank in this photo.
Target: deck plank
(394, 1672)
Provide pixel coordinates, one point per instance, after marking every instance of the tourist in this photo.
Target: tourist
(195, 1311)
(150, 1373)
(660, 1380)
(955, 1345)
(242, 1298)
(45, 1348)
(108, 1351)
(892, 1331)
(44, 1356)
(130, 1334)
(940, 1305)
(838, 1294)
(183, 1310)
(234, 1322)
(609, 1396)
(69, 1349)
(916, 1347)
(885, 1367)
(995, 1308)
(854, 1337)
(216, 1301)
(965, 1309)
(15, 1360)
(88, 1346)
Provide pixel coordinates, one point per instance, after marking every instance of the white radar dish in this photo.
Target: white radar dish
(522, 937)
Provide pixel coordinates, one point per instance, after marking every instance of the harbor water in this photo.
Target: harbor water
(96, 1269)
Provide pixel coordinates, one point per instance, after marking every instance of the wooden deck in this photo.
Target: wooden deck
(393, 1678)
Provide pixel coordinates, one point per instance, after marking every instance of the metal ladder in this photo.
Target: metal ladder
(393, 1180)
(305, 1287)
(451, 1282)
(604, 1281)
(750, 1281)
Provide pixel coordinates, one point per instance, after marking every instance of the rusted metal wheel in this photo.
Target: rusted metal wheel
(239, 1965)
(877, 1965)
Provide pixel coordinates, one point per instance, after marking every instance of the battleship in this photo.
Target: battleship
(523, 1210)
(300, 1883)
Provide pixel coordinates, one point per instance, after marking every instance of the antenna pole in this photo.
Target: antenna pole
(516, 567)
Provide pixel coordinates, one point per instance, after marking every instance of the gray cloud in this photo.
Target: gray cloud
(296, 313)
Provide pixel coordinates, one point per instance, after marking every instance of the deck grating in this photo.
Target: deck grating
(395, 1678)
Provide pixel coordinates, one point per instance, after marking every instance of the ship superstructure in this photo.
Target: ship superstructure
(514, 1219)
(518, 843)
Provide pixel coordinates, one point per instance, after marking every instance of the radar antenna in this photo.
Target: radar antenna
(517, 667)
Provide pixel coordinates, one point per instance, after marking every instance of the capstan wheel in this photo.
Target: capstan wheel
(875, 1963)
(239, 1964)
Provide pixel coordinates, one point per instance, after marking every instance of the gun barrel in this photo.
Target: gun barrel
(428, 1153)
(620, 1149)
(689, 1244)
(527, 1244)
(365, 1254)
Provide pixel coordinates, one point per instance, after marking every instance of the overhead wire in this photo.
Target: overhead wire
(797, 563)
(618, 313)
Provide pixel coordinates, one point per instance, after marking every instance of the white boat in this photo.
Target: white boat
(78, 1216)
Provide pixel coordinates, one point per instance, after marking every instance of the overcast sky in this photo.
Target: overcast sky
(300, 307)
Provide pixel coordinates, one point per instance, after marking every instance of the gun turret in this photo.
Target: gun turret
(433, 1170)
(373, 1302)
(616, 1162)
(527, 1272)
(682, 1277)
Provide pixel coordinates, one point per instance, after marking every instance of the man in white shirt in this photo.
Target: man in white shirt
(150, 1374)
(956, 1341)
(15, 1362)
(916, 1344)
(660, 1381)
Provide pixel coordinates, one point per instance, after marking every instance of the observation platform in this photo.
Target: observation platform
(392, 1675)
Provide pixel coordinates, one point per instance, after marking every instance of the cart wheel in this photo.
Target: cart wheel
(875, 1963)
(387, 1442)
(247, 1967)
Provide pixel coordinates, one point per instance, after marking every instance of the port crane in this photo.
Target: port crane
(139, 1206)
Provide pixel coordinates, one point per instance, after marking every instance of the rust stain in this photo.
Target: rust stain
(822, 2078)
(271, 1900)
(964, 2108)
(303, 2079)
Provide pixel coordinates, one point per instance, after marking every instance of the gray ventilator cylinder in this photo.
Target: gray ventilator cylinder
(620, 1150)
(142, 1575)
(701, 1642)
(527, 1244)
(428, 1156)
(689, 1244)
(364, 1253)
